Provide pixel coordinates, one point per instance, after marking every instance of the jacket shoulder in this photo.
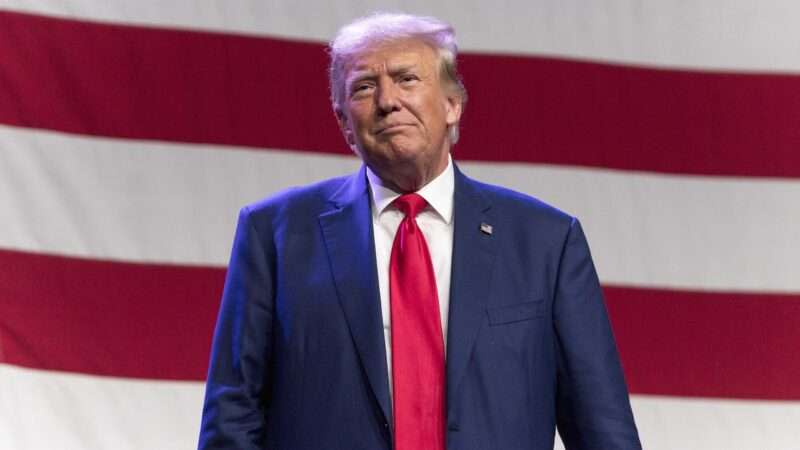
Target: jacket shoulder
(520, 206)
(301, 201)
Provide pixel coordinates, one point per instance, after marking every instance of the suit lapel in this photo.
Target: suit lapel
(351, 248)
(473, 258)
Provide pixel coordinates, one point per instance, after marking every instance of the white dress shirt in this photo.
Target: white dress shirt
(436, 223)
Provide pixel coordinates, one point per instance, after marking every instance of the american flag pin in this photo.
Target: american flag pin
(486, 228)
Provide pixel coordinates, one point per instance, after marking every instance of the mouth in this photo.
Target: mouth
(391, 128)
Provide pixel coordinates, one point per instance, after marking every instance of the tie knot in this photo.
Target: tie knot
(410, 204)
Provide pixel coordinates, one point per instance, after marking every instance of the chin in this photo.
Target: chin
(404, 150)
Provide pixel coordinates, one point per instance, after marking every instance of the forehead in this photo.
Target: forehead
(387, 56)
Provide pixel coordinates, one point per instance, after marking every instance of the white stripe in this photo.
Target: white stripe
(673, 231)
(41, 409)
(158, 202)
(54, 410)
(137, 201)
(671, 423)
(707, 34)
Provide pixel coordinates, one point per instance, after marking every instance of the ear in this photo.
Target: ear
(452, 109)
(345, 128)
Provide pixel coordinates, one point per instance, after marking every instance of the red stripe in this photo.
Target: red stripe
(107, 318)
(156, 321)
(708, 344)
(148, 83)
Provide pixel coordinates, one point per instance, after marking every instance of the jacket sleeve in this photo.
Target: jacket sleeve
(237, 388)
(592, 410)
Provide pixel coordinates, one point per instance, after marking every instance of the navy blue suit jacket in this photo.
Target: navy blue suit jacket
(298, 359)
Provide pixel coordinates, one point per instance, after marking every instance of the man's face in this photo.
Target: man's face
(395, 112)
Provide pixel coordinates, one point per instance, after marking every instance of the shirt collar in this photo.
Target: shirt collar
(438, 193)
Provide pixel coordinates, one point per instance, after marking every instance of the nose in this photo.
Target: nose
(388, 97)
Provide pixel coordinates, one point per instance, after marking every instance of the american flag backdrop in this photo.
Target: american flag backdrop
(132, 131)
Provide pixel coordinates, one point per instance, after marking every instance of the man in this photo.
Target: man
(408, 306)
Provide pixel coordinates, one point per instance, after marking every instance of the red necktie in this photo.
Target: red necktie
(417, 344)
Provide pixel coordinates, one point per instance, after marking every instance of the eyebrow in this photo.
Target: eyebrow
(363, 73)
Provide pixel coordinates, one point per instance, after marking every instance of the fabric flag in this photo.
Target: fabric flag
(131, 133)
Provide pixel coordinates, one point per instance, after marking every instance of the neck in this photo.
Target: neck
(405, 179)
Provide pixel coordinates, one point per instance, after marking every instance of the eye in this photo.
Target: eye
(360, 89)
(408, 78)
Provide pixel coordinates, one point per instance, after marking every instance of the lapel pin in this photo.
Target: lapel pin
(486, 228)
